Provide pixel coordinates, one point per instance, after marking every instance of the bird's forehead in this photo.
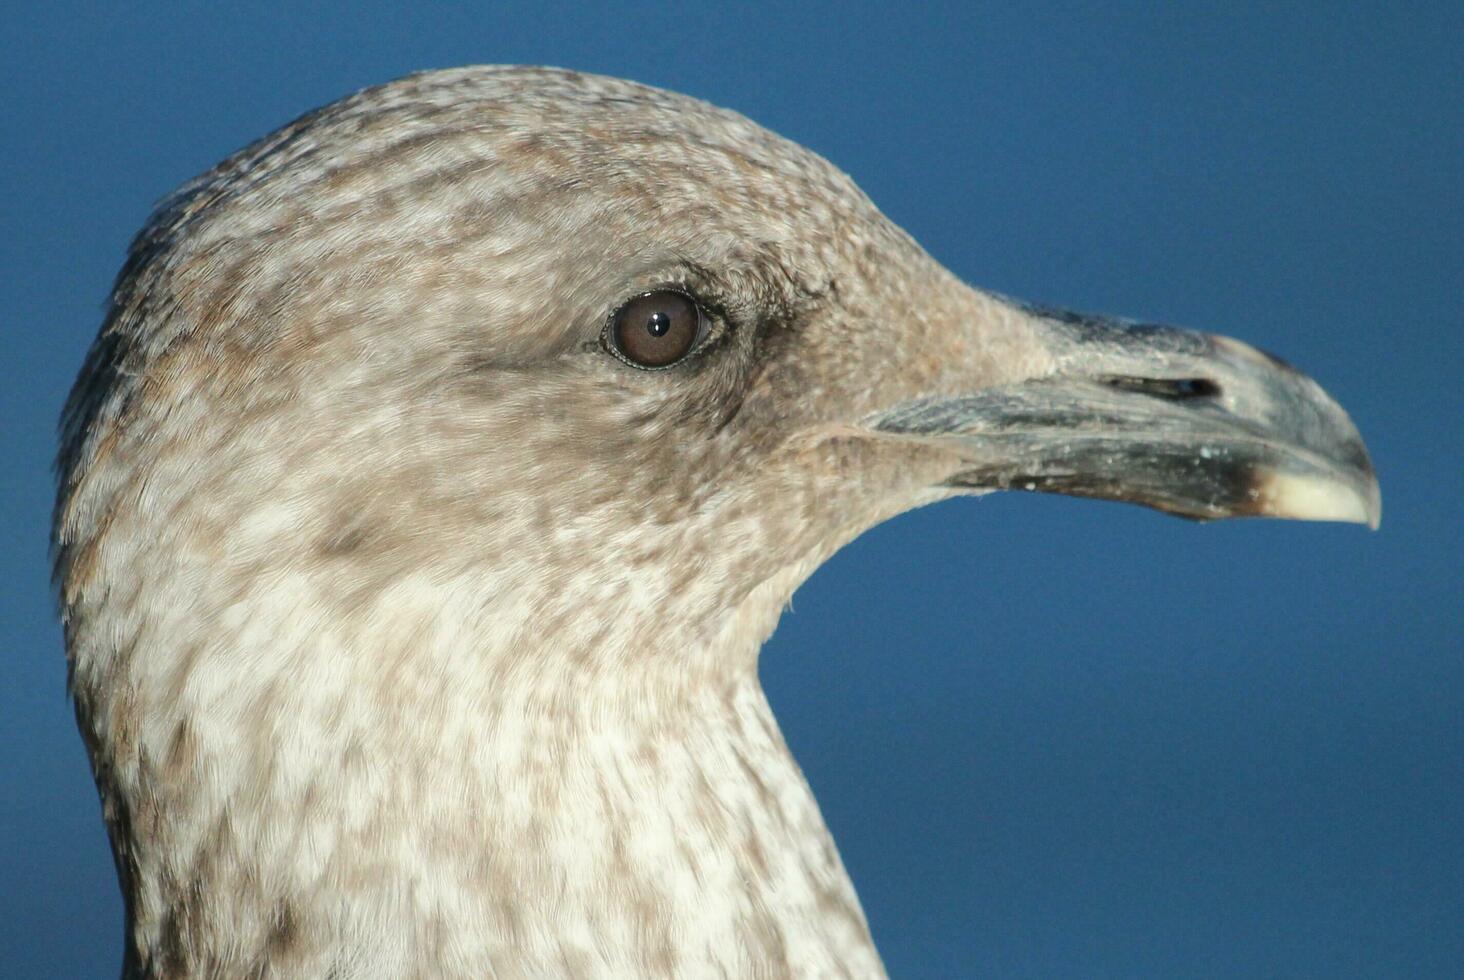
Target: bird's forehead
(527, 144)
(477, 196)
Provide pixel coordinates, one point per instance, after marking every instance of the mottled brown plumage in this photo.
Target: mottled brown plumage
(414, 634)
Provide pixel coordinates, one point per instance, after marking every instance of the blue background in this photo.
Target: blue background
(1053, 737)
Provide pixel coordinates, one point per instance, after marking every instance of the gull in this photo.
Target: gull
(444, 460)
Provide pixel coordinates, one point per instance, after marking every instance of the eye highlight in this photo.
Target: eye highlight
(655, 329)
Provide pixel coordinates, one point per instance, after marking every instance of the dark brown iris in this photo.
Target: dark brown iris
(656, 329)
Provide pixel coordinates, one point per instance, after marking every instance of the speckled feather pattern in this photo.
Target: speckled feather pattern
(411, 634)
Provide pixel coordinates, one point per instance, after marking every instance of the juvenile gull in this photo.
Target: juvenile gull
(441, 466)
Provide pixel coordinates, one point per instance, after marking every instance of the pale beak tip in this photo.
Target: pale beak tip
(1316, 498)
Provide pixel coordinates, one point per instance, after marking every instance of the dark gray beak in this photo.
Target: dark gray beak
(1191, 424)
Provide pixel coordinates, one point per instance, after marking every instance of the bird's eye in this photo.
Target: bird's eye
(656, 329)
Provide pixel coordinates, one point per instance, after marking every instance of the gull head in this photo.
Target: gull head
(444, 436)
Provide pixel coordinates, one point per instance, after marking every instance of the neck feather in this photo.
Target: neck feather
(434, 817)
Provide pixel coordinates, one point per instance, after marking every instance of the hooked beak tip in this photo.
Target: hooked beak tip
(1307, 497)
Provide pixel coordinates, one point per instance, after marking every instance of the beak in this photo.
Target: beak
(1191, 424)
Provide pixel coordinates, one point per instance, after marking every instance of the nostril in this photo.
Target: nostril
(1172, 389)
(1196, 388)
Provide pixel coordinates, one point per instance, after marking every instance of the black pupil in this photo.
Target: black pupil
(658, 323)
